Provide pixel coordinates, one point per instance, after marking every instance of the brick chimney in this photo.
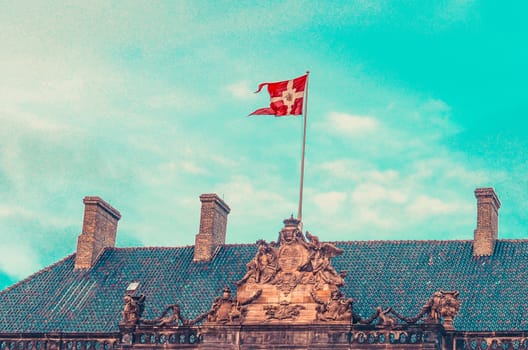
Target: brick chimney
(98, 232)
(487, 229)
(213, 222)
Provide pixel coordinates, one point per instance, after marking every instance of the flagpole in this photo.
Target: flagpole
(299, 212)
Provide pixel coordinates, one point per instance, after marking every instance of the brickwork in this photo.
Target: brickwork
(98, 232)
(213, 223)
(486, 233)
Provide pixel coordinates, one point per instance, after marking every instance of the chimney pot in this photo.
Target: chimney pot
(486, 233)
(213, 222)
(98, 232)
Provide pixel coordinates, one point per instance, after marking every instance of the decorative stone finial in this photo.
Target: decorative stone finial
(291, 222)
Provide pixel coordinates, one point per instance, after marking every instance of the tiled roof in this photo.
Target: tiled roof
(401, 274)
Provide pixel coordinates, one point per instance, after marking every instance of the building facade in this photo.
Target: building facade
(295, 292)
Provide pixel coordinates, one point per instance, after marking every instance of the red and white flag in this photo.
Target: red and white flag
(286, 97)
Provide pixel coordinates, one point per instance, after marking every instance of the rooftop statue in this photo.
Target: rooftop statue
(133, 309)
(264, 266)
(226, 309)
(171, 316)
(320, 265)
(337, 308)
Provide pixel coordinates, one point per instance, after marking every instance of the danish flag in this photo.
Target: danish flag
(286, 97)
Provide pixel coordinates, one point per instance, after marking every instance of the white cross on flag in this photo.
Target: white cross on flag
(286, 97)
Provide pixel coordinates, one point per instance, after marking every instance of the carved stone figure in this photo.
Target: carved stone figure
(222, 309)
(321, 268)
(337, 308)
(432, 307)
(226, 309)
(132, 309)
(283, 311)
(450, 304)
(170, 317)
(443, 304)
(449, 307)
(263, 267)
(385, 319)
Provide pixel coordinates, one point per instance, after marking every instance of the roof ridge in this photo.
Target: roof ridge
(405, 241)
(30, 277)
(176, 247)
(349, 242)
(238, 244)
(359, 241)
(149, 247)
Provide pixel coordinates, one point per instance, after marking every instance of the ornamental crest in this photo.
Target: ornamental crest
(296, 273)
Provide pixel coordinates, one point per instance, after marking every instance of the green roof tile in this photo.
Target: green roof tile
(400, 274)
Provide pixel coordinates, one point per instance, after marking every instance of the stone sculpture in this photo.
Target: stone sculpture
(337, 308)
(171, 316)
(226, 309)
(132, 309)
(385, 319)
(320, 265)
(283, 311)
(264, 266)
(298, 269)
(441, 306)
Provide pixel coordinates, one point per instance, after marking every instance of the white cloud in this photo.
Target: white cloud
(241, 190)
(358, 171)
(342, 168)
(453, 11)
(349, 124)
(386, 202)
(257, 208)
(426, 206)
(241, 90)
(10, 211)
(368, 218)
(371, 193)
(179, 100)
(330, 202)
(446, 167)
(470, 176)
(193, 168)
(18, 261)
(386, 176)
(45, 126)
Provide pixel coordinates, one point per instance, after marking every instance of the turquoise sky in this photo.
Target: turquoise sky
(412, 106)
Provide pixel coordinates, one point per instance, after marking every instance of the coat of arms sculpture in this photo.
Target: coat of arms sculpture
(295, 280)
